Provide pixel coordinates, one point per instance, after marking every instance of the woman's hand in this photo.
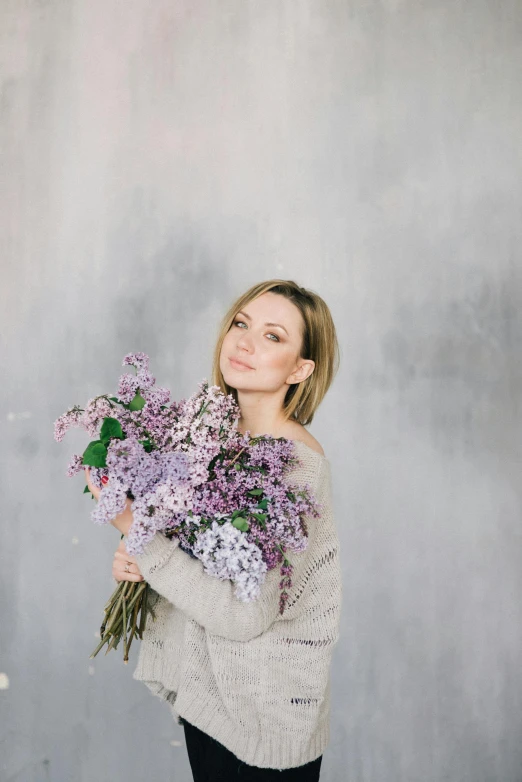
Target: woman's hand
(123, 521)
(123, 559)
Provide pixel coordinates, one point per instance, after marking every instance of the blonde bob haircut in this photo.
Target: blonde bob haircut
(319, 343)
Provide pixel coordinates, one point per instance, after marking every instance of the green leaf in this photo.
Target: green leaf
(255, 492)
(111, 427)
(259, 516)
(241, 524)
(115, 399)
(213, 462)
(147, 445)
(237, 466)
(137, 403)
(86, 490)
(95, 454)
(204, 408)
(263, 505)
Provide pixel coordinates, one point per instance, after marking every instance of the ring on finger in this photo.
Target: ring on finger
(127, 567)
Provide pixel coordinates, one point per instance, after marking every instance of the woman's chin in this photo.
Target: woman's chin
(232, 380)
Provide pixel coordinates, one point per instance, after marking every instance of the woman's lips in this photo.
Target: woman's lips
(237, 364)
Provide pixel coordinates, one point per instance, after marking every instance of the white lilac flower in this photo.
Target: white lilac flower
(226, 554)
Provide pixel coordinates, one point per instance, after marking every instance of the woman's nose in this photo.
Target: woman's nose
(244, 342)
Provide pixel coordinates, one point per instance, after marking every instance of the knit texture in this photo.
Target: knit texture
(256, 681)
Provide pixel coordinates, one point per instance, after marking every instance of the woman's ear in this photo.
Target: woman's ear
(304, 370)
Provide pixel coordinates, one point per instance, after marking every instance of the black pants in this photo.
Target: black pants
(210, 761)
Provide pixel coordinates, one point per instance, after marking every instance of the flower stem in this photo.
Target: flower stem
(133, 630)
(121, 616)
(143, 614)
(115, 612)
(124, 606)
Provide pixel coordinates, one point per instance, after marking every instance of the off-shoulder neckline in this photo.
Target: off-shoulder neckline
(320, 455)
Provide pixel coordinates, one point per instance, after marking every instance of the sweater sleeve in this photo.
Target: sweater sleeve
(211, 601)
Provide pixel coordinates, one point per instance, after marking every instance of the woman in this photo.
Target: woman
(250, 686)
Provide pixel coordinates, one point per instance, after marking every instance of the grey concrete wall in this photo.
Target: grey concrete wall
(159, 158)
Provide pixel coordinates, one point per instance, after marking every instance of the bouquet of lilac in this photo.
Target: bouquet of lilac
(189, 474)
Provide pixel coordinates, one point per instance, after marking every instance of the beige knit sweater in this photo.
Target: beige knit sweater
(255, 680)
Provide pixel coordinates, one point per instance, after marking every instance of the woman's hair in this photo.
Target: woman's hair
(319, 343)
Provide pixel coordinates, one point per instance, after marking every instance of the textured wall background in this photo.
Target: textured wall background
(159, 158)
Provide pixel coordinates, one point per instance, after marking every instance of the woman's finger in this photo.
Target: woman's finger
(124, 556)
(122, 576)
(93, 489)
(122, 549)
(119, 564)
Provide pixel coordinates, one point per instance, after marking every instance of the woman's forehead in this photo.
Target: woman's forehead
(273, 308)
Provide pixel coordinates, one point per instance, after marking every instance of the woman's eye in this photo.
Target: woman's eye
(237, 322)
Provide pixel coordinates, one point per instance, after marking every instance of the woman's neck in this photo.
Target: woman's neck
(263, 414)
(266, 425)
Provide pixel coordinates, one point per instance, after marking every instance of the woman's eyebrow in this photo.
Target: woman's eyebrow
(278, 325)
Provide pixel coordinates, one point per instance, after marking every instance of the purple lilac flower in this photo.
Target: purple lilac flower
(145, 380)
(96, 474)
(127, 387)
(155, 399)
(111, 503)
(71, 418)
(154, 512)
(195, 472)
(137, 360)
(75, 465)
(129, 462)
(95, 411)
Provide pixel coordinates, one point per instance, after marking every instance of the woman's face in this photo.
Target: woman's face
(271, 352)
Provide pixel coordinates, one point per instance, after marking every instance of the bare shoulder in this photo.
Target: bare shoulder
(296, 431)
